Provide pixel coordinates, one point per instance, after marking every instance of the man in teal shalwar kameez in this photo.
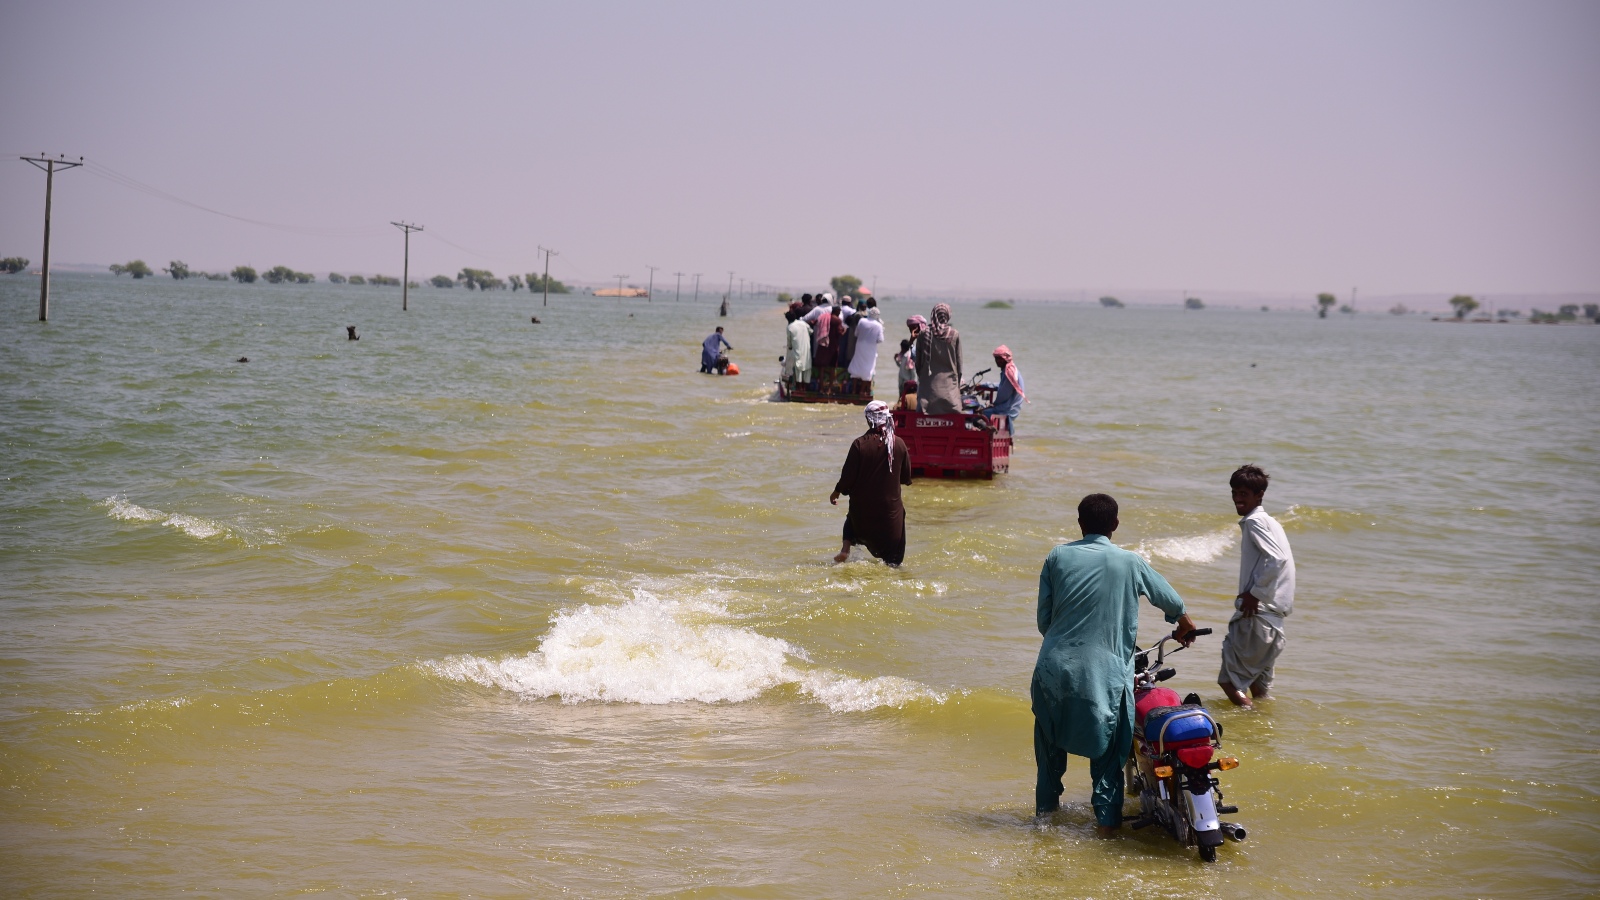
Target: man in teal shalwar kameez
(1089, 593)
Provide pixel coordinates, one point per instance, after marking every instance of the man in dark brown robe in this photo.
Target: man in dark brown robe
(872, 477)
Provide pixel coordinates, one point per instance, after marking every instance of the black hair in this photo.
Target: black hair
(791, 314)
(719, 328)
(905, 344)
(805, 296)
(872, 303)
(1097, 513)
(1250, 477)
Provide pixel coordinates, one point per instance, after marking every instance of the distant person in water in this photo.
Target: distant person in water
(874, 469)
(1256, 635)
(711, 350)
(1008, 397)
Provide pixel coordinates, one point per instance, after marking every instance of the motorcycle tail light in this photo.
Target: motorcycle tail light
(1163, 771)
(1195, 757)
(1227, 762)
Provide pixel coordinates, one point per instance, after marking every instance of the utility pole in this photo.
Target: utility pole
(875, 288)
(49, 166)
(678, 294)
(697, 287)
(1352, 301)
(405, 274)
(619, 287)
(547, 254)
(730, 286)
(650, 292)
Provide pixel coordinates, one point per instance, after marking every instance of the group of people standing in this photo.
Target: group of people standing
(930, 371)
(825, 336)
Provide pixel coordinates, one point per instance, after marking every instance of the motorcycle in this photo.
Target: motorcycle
(1175, 752)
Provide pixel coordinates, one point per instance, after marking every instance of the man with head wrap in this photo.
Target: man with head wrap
(1008, 396)
(938, 357)
(874, 469)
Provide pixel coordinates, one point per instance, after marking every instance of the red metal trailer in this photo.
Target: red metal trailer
(831, 384)
(954, 445)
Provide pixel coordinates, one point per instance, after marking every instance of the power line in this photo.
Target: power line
(48, 166)
(100, 170)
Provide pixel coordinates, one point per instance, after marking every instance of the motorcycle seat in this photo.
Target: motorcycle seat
(1170, 724)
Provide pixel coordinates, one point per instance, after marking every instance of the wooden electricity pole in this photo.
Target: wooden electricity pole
(697, 287)
(405, 274)
(547, 254)
(650, 292)
(49, 166)
(678, 293)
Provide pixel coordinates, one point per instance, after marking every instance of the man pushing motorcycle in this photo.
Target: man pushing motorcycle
(1082, 687)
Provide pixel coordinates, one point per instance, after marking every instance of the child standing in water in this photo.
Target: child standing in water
(1256, 635)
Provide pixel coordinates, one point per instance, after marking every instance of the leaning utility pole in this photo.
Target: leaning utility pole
(547, 254)
(405, 274)
(49, 167)
(678, 294)
(650, 292)
(730, 288)
(697, 287)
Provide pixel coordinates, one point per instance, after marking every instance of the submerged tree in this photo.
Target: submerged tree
(536, 284)
(278, 275)
(442, 281)
(178, 269)
(243, 274)
(1111, 303)
(1325, 302)
(844, 284)
(1193, 303)
(475, 279)
(11, 265)
(335, 278)
(516, 282)
(1463, 304)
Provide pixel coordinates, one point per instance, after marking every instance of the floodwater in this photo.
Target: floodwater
(480, 608)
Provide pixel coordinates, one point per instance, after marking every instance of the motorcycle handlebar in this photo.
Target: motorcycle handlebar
(1200, 632)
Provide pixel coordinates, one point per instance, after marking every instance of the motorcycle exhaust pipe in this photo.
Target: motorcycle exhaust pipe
(1232, 832)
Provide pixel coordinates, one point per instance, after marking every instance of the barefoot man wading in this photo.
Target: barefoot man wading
(875, 468)
(1266, 594)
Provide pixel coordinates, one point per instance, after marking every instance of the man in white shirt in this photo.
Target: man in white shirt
(1266, 594)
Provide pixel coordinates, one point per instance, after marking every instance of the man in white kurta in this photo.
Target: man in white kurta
(869, 334)
(1256, 634)
(797, 357)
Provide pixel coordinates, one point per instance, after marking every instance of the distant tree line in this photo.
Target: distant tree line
(11, 265)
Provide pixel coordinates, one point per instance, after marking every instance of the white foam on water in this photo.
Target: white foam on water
(653, 651)
(1198, 548)
(120, 508)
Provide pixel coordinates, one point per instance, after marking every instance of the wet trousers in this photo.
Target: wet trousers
(1105, 774)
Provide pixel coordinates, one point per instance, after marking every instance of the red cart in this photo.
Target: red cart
(954, 445)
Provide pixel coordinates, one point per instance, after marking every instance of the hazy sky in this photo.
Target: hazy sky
(1293, 147)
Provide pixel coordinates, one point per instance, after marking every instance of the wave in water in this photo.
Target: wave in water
(651, 650)
(1198, 548)
(193, 526)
